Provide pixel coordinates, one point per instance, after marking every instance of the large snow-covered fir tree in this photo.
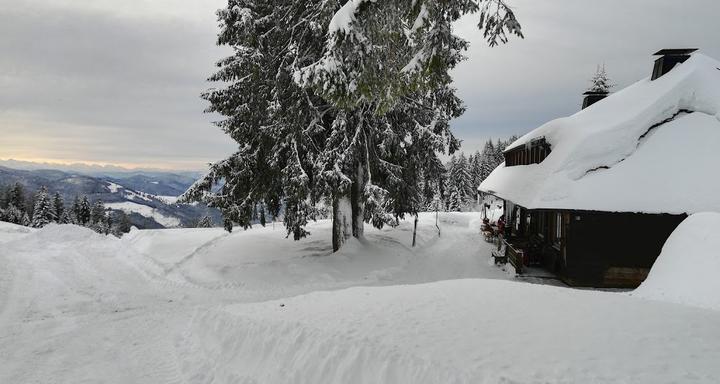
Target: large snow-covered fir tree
(345, 102)
(279, 127)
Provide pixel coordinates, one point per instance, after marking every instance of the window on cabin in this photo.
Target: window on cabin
(558, 235)
(534, 152)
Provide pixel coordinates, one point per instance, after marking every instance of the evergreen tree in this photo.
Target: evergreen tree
(101, 227)
(82, 211)
(43, 211)
(25, 220)
(14, 215)
(462, 191)
(351, 114)
(99, 220)
(120, 223)
(457, 200)
(16, 196)
(74, 211)
(205, 222)
(277, 124)
(449, 183)
(489, 160)
(475, 163)
(59, 207)
(600, 82)
(97, 213)
(3, 196)
(499, 153)
(464, 179)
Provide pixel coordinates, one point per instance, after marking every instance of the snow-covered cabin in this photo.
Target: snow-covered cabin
(593, 196)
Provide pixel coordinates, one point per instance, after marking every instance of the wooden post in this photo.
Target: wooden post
(415, 230)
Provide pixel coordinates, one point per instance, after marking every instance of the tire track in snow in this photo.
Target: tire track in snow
(195, 252)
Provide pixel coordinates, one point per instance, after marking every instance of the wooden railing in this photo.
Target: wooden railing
(516, 257)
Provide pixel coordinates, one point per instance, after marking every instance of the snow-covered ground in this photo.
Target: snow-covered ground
(204, 306)
(460, 331)
(266, 265)
(9, 232)
(147, 211)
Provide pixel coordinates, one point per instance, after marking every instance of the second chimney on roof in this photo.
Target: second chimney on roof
(592, 97)
(668, 59)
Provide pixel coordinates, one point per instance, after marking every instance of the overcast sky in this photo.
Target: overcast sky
(118, 82)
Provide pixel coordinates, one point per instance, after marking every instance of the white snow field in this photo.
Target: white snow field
(204, 306)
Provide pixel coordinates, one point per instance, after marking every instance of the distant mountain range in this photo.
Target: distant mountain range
(94, 169)
(147, 196)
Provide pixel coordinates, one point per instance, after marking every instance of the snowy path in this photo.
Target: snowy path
(261, 264)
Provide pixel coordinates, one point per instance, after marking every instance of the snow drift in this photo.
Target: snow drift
(687, 270)
(461, 331)
(10, 232)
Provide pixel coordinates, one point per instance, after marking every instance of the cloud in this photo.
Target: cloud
(513, 89)
(119, 81)
(123, 88)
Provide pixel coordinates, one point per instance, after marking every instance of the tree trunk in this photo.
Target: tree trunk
(341, 222)
(436, 222)
(357, 202)
(349, 211)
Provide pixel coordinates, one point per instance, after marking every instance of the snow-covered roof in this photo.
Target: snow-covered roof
(635, 151)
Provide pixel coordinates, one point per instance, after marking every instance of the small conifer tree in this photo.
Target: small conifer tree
(600, 82)
(43, 211)
(59, 206)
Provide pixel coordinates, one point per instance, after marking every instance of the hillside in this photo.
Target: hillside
(149, 199)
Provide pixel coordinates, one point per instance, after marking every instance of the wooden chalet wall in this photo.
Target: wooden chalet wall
(593, 249)
(607, 249)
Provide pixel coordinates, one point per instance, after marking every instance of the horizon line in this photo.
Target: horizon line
(99, 165)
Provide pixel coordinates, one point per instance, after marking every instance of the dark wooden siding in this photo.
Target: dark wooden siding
(614, 249)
